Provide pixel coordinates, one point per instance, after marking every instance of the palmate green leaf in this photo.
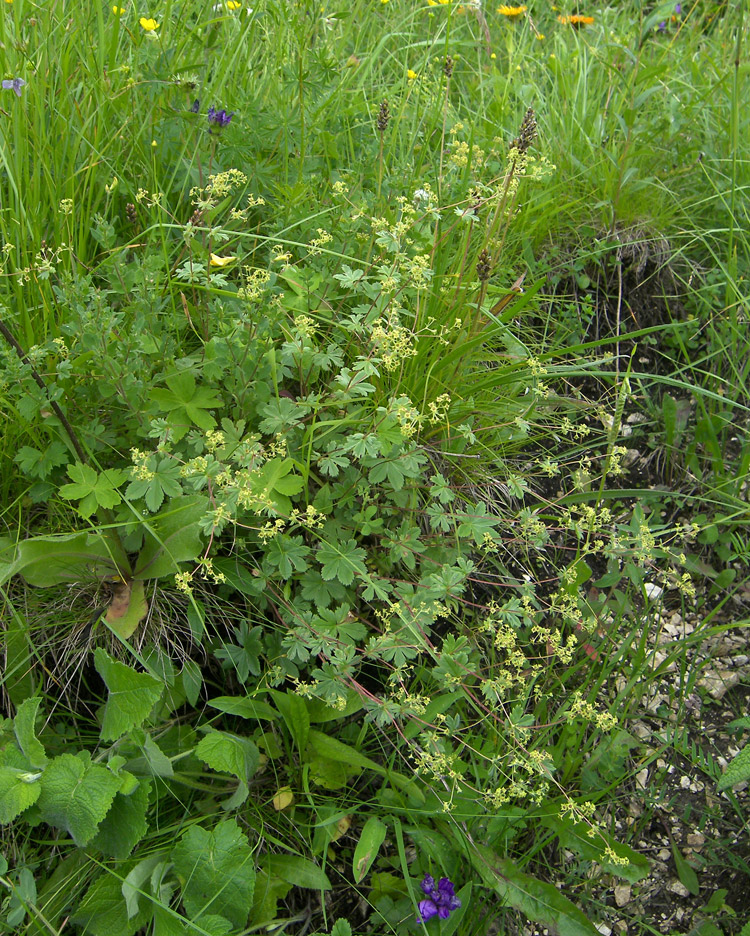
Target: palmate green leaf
(131, 695)
(186, 403)
(217, 872)
(287, 554)
(164, 482)
(76, 795)
(93, 489)
(342, 561)
(538, 901)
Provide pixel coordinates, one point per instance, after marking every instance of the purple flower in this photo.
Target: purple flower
(195, 106)
(662, 26)
(13, 84)
(678, 8)
(218, 119)
(441, 900)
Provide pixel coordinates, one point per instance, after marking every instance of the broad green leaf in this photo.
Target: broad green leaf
(370, 840)
(76, 795)
(19, 789)
(154, 760)
(217, 872)
(738, 770)
(135, 881)
(125, 824)
(685, 871)
(131, 695)
(538, 901)
(127, 608)
(24, 726)
(294, 713)
(244, 706)
(103, 911)
(297, 870)
(226, 753)
(173, 536)
(575, 837)
(326, 746)
(49, 560)
(192, 680)
(320, 712)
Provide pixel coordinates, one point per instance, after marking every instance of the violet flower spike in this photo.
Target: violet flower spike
(218, 119)
(678, 8)
(440, 901)
(14, 84)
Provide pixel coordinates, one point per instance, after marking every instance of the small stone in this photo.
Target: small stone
(696, 839)
(664, 854)
(677, 887)
(641, 778)
(622, 894)
(717, 682)
(604, 929)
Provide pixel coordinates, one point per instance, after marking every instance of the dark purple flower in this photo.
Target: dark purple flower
(218, 119)
(678, 8)
(441, 900)
(13, 84)
(195, 106)
(662, 26)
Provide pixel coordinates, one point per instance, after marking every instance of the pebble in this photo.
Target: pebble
(677, 887)
(622, 894)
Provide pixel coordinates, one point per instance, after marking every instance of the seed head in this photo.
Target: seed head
(384, 116)
(484, 266)
(448, 66)
(528, 132)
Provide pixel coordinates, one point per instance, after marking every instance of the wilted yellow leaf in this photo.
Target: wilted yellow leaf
(284, 797)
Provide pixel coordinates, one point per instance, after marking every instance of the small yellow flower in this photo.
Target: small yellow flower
(384, 1)
(117, 10)
(221, 261)
(540, 36)
(411, 74)
(512, 11)
(493, 56)
(150, 25)
(233, 5)
(575, 20)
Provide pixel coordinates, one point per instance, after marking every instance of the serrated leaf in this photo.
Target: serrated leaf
(738, 770)
(297, 870)
(131, 696)
(244, 706)
(76, 795)
(538, 901)
(342, 561)
(226, 753)
(18, 791)
(217, 872)
(370, 840)
(24, 726)
(125, 824)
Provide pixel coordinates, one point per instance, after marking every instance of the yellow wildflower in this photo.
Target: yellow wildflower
(150, 25)
(117, 10)
(411, 74)
(233, 5)
(512, 11)
(221, 261)
(575, 20)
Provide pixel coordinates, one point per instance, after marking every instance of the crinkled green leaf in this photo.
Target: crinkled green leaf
(217, 872)
(125, 824)
(228, 753)
(738, 770)
(76, 795)
(19, 789)
(131, 695)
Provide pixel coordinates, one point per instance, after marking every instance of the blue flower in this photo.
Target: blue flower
(218, 119)
(195, 106)
(441, 900)
(13, 84)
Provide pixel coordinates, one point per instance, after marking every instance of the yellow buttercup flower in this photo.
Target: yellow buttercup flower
(511, 11)
(233, 5)
(411, 74)
(118, 10)
(150, 25)
(221, 261)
